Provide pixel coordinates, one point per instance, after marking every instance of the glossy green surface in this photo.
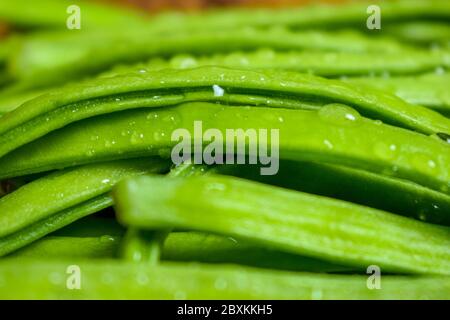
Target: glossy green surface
(335, 134)
(296, 222)
(155, 89)
(51, 202)
(33, 279)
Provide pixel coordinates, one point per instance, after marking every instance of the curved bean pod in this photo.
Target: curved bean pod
(330, 64)
(430, 90)
(91, 51)
(59, 108)
(91, 227)
(335, 134)
(27, 213)
(64, 190)
(61, 219)
(295, 222)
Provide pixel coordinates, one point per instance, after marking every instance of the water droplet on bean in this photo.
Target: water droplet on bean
(106, 239)
(339, 114)
(385, 151)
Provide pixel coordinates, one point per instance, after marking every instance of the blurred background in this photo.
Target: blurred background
(158, 5)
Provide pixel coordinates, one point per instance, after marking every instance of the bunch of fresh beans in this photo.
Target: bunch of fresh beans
(88, 184)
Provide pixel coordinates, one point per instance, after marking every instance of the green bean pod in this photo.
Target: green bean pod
(350, 184)
(155, 89)
(335, 134)
(420, 31)
(52, 247)
(296, 222)
(52, 223)
(179, 246)
(430, 90)
(316, 16)
(93, 237)
(91, 51)
(211, 248)
(52, 201)
(54, 14)
(143, 246)
(91, 227)
(329, 64)
(32, 279)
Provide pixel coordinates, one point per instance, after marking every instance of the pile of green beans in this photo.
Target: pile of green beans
(87, 179)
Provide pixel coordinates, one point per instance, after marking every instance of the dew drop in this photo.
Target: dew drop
(439, 71)
(328, 144)
(339, 114)
(187, 63)
(232, 239)
(152, 115)
(431, 164)
(90, 153)
(215, 187)
(385, 151)
(158, 135)
(423, 163)
(169, 118)
(106, 239)
(136, 137)
(422, 216)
